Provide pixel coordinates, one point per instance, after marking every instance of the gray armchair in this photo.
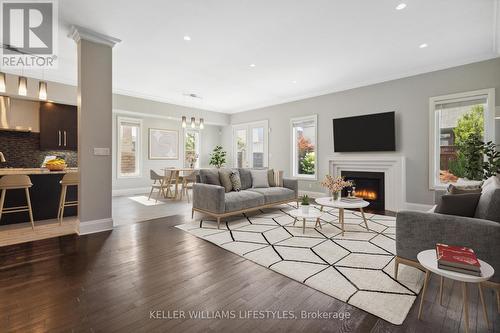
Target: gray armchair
(418, 231)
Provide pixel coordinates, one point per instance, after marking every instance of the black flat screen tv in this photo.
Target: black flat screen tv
(373, 132)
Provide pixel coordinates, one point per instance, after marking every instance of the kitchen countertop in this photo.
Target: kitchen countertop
(33, 171)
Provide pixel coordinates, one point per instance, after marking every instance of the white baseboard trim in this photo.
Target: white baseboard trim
(130, 191)
(91, 227)
(312, 194)
(417, 206)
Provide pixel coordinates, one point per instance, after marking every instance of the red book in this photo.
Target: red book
(457, 256)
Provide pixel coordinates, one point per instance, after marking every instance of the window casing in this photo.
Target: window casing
(448, 117)
(129, 147)
(191, 147)
(304, 148)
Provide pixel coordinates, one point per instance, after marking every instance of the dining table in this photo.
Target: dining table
(177, 179)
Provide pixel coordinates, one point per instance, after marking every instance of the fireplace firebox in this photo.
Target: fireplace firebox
(369, 186)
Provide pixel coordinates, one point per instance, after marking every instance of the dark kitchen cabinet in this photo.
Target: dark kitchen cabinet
(58, 126)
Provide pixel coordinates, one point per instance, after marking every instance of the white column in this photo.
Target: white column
(94, 128)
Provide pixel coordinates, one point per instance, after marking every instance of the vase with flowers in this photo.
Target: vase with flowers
(335, 185)
(191, 159)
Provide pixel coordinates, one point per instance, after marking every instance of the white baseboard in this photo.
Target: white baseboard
(91, 227)
(417, 206)
(312, 194)
(130, 191)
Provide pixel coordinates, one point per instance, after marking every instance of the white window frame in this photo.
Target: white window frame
(197, 146)
(248, 126)
(489, 127)
(293, 151)
(138, 162)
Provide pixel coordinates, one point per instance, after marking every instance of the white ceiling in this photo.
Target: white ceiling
(323, 45)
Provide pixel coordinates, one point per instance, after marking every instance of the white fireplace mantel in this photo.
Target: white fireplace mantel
(392, 165)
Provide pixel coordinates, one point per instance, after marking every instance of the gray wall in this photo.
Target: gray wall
(409, 97)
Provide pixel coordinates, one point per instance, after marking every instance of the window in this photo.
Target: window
(192, 149)
(456, 121)
(250, 142)
(304, 147)
(129, 139)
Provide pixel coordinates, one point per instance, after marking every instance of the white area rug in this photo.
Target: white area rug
(357, 268)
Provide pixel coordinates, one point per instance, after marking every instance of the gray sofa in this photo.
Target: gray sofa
(214, 201)
(418, 231)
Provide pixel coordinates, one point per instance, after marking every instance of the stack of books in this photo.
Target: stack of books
(458, 259)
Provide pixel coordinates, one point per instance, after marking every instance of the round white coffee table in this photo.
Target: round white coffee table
(311, 215)
(341, 205)
(428, 260)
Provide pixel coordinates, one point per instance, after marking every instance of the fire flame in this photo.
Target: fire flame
(366, 194)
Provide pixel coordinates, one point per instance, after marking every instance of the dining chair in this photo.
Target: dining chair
(187, 184)
(160, 183)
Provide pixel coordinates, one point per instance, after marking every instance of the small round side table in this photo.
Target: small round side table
(428, 260)
(341, 205)
(312, 214)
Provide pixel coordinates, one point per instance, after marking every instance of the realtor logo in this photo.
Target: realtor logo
(29, 33)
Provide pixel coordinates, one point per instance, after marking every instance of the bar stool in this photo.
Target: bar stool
(16, 182)
(69, 179)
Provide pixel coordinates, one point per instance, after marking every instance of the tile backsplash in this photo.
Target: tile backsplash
(22, 150)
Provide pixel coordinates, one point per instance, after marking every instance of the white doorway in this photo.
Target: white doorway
(250, 145)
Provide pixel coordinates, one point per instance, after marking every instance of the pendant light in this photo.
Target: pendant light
(2, 82)
(202, 126)
(22, 86)
(42, 90)
(193, 122)
(183, 121)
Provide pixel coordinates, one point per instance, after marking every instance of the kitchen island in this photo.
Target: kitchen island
(44, 194)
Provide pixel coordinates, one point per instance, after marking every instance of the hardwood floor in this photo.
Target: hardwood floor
(112, 280)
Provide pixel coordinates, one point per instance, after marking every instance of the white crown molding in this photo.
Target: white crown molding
(157, 116)
(92, 227)
(78, 33)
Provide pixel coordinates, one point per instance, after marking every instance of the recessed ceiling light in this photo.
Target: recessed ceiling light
(401, 6)
(252, 65)
(187, 38)
(294, 81)
(423, 46)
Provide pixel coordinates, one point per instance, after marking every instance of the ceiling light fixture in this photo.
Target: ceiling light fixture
(423, 46)
(184, 122)
(193, 122)
(401, 6)
(294, 81)
(252, 65)
(2, 82)
(42, 90)
(187, 38)
(22, 88)
(202, 123)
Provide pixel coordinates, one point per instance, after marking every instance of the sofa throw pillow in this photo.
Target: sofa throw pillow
(463, 189)
(270, 178)
(235, 180)
(225, 180)
(210, 176)
(458, 204)
(246, 178)
(259, 178)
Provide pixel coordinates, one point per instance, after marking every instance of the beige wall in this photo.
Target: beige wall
(409, 97)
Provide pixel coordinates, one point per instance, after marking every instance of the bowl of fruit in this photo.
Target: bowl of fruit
(57, 164)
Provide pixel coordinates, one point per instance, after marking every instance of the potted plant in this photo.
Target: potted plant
(217, 157)
(305, 204)
(191, 159)
(335, 185)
